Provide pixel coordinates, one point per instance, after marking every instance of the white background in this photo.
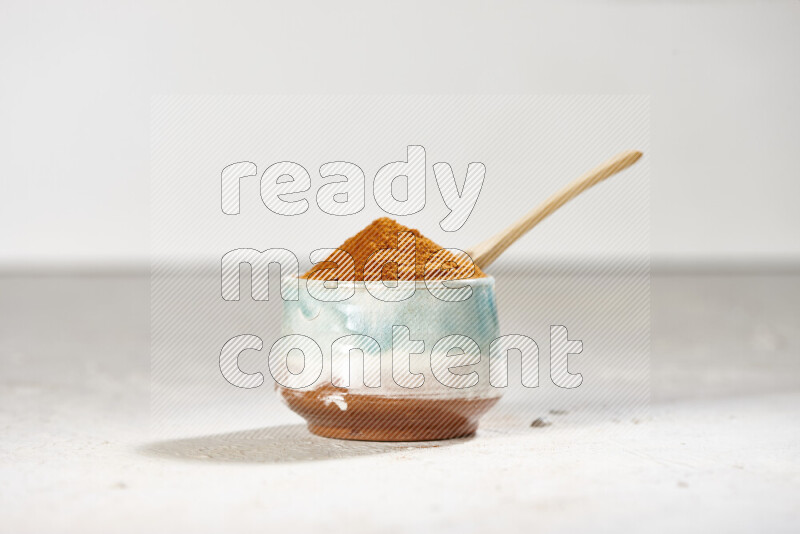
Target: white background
(77, 80)
(547, 139)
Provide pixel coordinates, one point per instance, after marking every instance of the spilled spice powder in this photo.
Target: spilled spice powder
(383, 234)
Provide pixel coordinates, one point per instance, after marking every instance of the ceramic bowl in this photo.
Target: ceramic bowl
(408, 370)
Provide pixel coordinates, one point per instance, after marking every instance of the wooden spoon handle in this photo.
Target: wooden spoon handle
(487, 251)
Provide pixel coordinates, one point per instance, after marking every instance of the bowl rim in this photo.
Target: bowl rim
(361, 285)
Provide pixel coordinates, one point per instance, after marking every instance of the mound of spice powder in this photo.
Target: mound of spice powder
(383, 235)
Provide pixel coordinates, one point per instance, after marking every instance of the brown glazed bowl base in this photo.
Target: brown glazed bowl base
(375, 418)
(383, 434)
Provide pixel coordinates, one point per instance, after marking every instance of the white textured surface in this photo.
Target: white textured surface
(717, 452)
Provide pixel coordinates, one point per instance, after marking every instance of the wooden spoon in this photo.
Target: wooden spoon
(484, 253)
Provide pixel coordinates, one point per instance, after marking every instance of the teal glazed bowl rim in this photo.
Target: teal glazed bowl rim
(360, 284)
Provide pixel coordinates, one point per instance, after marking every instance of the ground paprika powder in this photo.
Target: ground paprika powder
(383, 234)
